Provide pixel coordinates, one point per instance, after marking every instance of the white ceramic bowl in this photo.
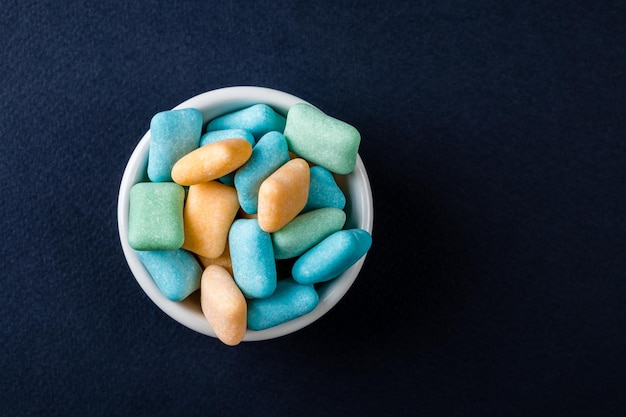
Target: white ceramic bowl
(359, 210)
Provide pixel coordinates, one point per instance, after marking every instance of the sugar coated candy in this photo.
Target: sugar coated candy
(324, 191)
(223, 305)
(209, 211)
(306, 230)
(269, 154)
(283, 195)
(322, 139)
(175, 272)
(211, 161)
(252, 257)
(155, 217)
(258, 119)
(217, 135)
(289, 301)
(332, 256)
(174, 133)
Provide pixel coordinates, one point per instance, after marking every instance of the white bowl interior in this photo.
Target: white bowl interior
(359, 210)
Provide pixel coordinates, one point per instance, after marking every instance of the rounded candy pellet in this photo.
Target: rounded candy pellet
(217, 135)
(258, 119)
(289, 301)
(283, 195)
(269, 154)
(332, 256)
(174, 133)
(223, 305)
(306, 230)
(252, 257)
(211, 161)
(155, 216)
(209, 211)
(175, 272)
(322, 139)
(324, 191)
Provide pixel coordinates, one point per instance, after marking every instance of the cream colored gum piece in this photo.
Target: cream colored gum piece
(211, 161)
(283, 195)
(223, 305)
(223, 260)
(208, 214)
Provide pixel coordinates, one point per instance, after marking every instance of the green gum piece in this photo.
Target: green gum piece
(322, 139)
(155, 217)
(306, 230)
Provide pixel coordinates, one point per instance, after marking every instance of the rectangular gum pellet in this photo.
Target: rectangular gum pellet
(155, 217)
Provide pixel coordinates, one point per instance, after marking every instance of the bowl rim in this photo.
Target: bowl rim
(208, 102)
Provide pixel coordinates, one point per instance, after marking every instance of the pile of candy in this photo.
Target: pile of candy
(225, 206)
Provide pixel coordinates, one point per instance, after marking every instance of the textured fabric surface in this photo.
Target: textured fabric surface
(493, 135)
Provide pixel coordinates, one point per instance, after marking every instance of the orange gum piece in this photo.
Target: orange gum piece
(283, 195)
(208, 214)
(211, 161)
(223, 305)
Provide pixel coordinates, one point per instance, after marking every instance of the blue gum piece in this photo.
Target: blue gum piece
(252, 258)
(332, 256)
(324, 191)
(290, 300)
(174, 133)
(258, 119)
(269, 154)
(217, 135)
(175, 272)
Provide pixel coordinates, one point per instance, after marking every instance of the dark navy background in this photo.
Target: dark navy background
(493, 134)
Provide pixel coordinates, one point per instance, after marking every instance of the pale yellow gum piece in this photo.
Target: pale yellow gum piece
(283, 195)
(223, 305)
(208, 214)
(211, 161)
(223, 260)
